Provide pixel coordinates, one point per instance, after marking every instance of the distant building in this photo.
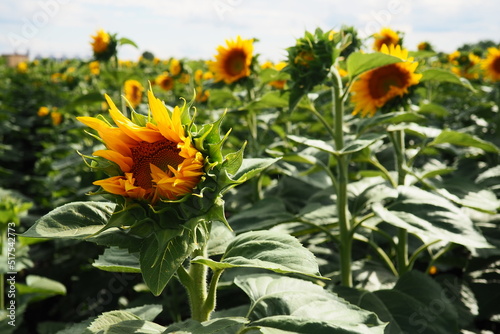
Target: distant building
(13, 59)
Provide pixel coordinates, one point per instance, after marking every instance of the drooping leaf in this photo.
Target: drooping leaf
(463, 139)
(270, 250)
(299, 306)
(416, 304)
(229, 325)
(358, 62)
(422, 212)
(118, 260)
(439, 75)
(76, 220)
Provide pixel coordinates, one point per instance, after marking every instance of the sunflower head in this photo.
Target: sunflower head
(233, 61)
(163, 162)
(165, 81)
(309, 62)
(424, 46)
(133, 92)
(174, 67)
(375, 88)
(95, 67)
(491, 65)
(103, 45)
(385, 36)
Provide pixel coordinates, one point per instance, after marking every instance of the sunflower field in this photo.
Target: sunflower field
(353, 187)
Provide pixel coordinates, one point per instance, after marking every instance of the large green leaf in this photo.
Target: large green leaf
(463, 139)
(416, 304)
(270, 250)
(135, 326)
(424, 213)
(273, 99)
(263, 214)
(300, 306)
(161, 256)
(76, 220)
(118, 260)
(251, 167)
(228, 325)
(358, 62)
(439, 75)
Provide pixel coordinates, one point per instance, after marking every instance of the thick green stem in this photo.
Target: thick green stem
(342, 179)
(201, 301)
(398, 140)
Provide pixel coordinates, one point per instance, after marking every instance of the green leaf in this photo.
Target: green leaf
(161, 256)
(93, 97)
(358, 62)
(416, 304)
(272, 99)
(39, 288)
(463, 139)
(124, 41)
(135, 326)
(228, 325)
(360, 143)
(103, 322)
(251, 167)
(424, 213)
(364, 124)
(316, 143)
(439, 75)
(270, 250)
(118, 260)
(432, 108)
(262, 215)
(76, 220)
(300, 306)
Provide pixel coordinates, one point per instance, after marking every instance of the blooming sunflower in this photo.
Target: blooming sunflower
(375, 87)
(100, 41)
(157, 160)
(95, 67)
(43, 111)
(175, 67)
(385, 36)
(133, 92)
(232, 62)
(165, 81)
(491, 65)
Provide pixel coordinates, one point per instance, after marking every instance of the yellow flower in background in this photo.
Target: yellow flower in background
(279, 84)
(232, 61)
(100, 41)
(208, 75)
(133, 92)
(464, 64)
(184, 79)
(385, 36)
(491, 65)
(157, 161)
(304, 58)
(374, 88)
(198, 75)
(165, 81)
(331, 34)
(424, 46)
(22, 67)
(201, 94)
(174, 67)
(56, 116)
(43, 111)
(56, 77)
(95, 67)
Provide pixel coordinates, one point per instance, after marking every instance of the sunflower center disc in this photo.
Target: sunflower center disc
(235, 62)
(383, 78)
(162, 154)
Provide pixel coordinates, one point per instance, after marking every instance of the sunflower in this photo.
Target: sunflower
(165, 81)
(491, 65)
(133, 92)
(232, 62)
(385, 36)
(279, 84)
(157, 160)
(95, 67)
(100, 41)
(175, 67)
(375, 87)
(43, 111)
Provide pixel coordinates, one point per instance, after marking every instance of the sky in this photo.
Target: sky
(194, 28)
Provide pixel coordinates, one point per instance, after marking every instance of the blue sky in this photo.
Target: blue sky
(194, 28)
